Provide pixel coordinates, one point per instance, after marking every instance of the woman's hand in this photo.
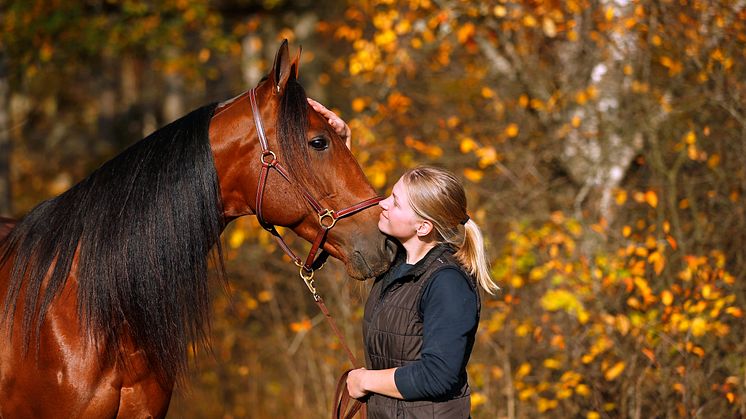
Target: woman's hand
(340, 127)
(355, 383)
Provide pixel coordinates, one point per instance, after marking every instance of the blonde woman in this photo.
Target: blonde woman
(421, 316)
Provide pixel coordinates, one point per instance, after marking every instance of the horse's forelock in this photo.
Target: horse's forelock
(292, 126)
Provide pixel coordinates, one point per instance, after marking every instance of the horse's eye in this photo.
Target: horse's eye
(319, 143)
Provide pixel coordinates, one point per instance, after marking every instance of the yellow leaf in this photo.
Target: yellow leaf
(499, 11)
(593, 415)
(511, 130)
(581, 98)
(706, 291)
(609, 13)
(552, 364)
(403, 27)
(564, 393)
(301, 326)
(575, 121)
(467, 144)
(265, 296)
(658, 262)
(251, 303)
(378, 179)
(734, 311)
(487, 156)
(237, 238)
(523, 370)
(529, 21)
(473, 175)
(523, 101)
(649, 354)
(651, 198)
(550, 29)
(626, 231)
(667, 297)
(477, 399)
(358, 104)
(583, 390)
(614, 371)
(525, 394)
(690, 138)
(487, 92)
(698, 326)
(542, 405)
(713, 161)
(621, 197)
(516, 281)
(465, 32)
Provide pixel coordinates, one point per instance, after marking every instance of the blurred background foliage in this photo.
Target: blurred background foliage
(602, 143)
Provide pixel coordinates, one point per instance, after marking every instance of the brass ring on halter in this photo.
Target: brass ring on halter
(327, 213)
(268, 153)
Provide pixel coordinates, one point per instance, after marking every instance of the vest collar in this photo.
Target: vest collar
(420, 267)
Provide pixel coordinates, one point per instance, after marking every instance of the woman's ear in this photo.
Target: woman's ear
(424, 228)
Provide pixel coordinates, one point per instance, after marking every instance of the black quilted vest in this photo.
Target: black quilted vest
(392, 333)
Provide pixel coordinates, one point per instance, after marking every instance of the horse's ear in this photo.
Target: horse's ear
(281, 70)
(296, 63)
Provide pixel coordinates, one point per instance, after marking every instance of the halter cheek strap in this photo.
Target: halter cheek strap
(327, 217)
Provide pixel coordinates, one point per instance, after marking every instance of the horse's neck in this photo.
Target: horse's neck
(232, 138)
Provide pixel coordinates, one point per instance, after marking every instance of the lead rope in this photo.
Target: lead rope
(342, 408)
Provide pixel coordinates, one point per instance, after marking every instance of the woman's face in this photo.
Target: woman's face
(398, 219)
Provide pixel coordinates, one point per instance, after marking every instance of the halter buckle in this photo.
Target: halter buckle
(268, 153)
(327, 213)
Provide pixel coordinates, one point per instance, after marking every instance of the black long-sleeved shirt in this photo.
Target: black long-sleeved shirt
(449, 310)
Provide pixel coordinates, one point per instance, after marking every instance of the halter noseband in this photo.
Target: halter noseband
(327, 218)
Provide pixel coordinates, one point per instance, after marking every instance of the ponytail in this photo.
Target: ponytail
(471, 255)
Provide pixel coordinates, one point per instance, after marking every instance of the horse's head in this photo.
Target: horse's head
(321, 171)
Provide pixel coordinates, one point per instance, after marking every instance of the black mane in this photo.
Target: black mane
(143, 225)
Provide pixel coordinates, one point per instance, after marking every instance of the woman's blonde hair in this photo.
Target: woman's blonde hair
(437, 195)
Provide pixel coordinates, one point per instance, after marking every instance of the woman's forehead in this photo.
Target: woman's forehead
(399, 189)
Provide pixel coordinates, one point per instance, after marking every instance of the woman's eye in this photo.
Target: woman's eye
(319, 143)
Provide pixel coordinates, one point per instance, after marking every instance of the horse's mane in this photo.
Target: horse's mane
(143, 225)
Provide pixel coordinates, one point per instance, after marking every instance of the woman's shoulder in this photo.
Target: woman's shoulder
(450, 281)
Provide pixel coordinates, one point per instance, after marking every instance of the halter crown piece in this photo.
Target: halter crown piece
(327, 218)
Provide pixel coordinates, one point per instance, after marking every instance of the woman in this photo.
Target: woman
(421, 316)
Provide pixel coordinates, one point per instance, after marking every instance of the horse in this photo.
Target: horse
(6, 224)
(104, 287)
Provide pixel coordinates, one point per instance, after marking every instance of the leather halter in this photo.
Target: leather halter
(327, 218)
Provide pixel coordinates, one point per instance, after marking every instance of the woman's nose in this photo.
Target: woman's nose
(384, 204)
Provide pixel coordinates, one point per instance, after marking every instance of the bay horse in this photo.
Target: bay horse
(104, 288)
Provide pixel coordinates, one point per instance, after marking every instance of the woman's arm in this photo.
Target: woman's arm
(361, 382)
